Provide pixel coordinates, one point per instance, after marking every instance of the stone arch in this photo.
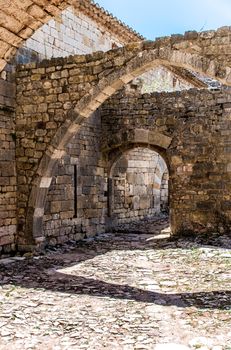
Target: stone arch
(155, 141)
(145, 56)
(114, 156)
(22, 19)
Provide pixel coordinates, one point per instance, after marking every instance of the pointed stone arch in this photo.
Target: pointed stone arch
(21, 19)
(127, 63)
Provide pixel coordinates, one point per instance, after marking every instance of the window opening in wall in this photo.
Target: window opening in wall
(75, 191)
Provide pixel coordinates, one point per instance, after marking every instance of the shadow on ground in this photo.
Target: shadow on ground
(41, 272)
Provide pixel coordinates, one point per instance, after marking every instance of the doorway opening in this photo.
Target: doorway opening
(139, 187)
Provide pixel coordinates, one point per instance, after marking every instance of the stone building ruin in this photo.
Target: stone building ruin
(100, 127)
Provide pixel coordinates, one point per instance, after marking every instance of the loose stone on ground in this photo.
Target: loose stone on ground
(119, 291)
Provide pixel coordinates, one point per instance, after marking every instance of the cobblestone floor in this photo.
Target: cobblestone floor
(120, 291)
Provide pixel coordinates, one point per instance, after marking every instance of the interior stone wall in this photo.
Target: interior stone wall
(136, 185)
(8, 194)
(70, 33)
(69, 218)
(8, 189)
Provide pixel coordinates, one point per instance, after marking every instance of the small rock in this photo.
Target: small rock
(5, 333)
(6, 261)
(171, 346)
(200, 343)
(28, 255)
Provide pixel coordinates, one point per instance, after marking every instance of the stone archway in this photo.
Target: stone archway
(125, 64)
(21, 19)
(134, 184)
(140, 138)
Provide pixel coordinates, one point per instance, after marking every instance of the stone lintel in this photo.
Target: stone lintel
(152, 138)
(141, 136)
(158, 139)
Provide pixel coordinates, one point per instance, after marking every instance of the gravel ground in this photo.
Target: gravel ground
(132, 289)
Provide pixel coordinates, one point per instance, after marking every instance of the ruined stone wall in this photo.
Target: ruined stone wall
(136, 185)
(199, 154)
(8, 194)
(54, 98)
(198, 158)
(77, 199)
(7, 182)
(37, 119)
(70, 33)
(51, 30)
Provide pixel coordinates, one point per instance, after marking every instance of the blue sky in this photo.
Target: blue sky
(154, 18)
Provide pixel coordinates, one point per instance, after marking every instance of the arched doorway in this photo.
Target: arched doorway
(138, 186)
